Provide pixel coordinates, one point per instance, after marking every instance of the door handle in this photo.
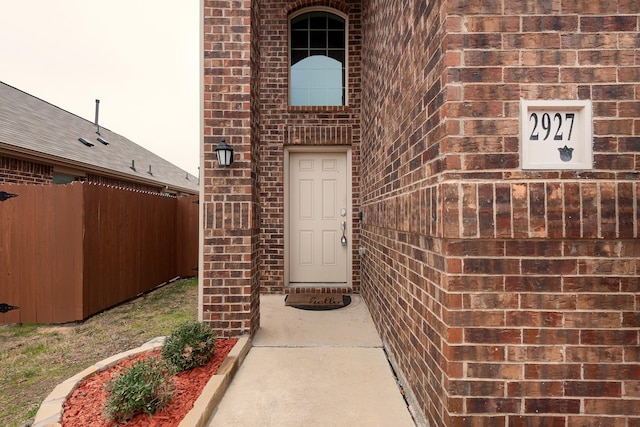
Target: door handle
(343, 239)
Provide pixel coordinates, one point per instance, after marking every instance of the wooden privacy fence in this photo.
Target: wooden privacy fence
(68, 252)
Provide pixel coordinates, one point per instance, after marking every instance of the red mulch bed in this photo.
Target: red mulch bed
(84, 407)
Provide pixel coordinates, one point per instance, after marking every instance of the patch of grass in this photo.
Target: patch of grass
(34, 349)
(31, 413)
(30, 373)
(178, 316)
(36, 358)
(21, 330)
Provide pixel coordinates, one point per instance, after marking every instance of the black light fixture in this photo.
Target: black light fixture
(224, 153)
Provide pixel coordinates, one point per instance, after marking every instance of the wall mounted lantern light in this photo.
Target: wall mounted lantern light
(224, 153)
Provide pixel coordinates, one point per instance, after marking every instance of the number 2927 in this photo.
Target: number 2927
(557, 126)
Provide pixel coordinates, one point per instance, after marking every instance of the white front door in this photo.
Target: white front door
(318, 215)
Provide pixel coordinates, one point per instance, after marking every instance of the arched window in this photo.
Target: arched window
(318, 59)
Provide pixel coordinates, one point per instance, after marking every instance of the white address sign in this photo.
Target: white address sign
(556, 134)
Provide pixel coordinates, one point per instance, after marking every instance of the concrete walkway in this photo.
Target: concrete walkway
(313, 368)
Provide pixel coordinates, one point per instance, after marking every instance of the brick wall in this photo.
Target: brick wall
(402, 128)
(229, 278)
(506, 297)
(24, 172)
(282, 126)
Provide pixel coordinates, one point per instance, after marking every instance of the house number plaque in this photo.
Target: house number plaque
(556, 134)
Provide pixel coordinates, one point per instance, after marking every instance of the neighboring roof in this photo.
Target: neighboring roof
(45, 133)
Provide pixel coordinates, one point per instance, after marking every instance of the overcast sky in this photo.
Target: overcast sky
(140, 58)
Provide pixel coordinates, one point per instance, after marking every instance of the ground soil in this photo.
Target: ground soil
(85, 406)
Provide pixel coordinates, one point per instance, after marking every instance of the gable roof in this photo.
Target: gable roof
(38, 130)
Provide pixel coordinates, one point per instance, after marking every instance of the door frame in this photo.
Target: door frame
(342, 149)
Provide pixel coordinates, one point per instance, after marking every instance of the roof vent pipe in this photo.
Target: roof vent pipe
(97, 111)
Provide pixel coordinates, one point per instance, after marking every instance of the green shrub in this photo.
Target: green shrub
(190, 344)
(144, 387)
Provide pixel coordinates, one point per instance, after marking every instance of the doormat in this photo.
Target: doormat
(317, 301)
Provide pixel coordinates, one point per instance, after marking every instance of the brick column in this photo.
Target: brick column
(506, 296)
(228, 274)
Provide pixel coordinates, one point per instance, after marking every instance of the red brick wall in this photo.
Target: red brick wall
(506, 297)
(24, 172)
(229, 278)
(282, 126)
(402, 129)
(246, 101)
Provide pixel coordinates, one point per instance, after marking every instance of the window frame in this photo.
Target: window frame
(335, 12)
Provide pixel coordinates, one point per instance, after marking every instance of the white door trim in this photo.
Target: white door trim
(287, 206)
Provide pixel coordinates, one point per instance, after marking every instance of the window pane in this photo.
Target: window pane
(299, 78)
(336, 39)
(317, 97)
(318, 20)
(335, 22)
(299, 97)
(318, 39)
(300, 23)
(334, 96)
(298, 55)
(338, 55)
(299, 39)
(61, 179)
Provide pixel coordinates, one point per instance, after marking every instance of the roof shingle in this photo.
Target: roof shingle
(33, 127)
